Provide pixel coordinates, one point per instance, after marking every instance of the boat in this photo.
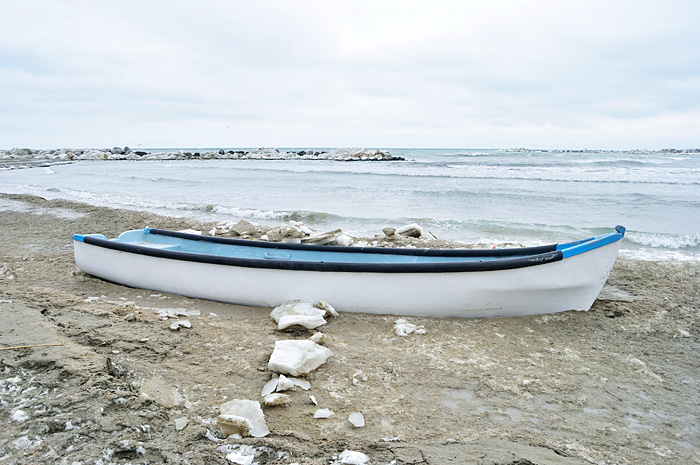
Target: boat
(401, 281)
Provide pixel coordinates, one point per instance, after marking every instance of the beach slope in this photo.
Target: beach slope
(617, 384)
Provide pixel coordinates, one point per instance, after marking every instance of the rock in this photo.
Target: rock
(244, 417)
(20, 152)
(180, 423)
(410, 230)
(357, 419)
(160, 392)
(323, 413)
(297, 357)
(244, 227)
(389, 232)
(276, 399)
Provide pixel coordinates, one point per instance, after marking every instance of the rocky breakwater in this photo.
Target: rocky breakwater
(126, 153)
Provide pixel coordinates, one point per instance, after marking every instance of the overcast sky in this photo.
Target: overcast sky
(376, 74)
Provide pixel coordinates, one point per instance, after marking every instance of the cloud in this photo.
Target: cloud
(387, 74)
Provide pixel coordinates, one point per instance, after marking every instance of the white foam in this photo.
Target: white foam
(669, 241)
(250, 213)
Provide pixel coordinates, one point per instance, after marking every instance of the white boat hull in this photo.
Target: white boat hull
(569, 284)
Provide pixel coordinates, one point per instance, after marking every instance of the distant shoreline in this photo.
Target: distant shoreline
(126, 153)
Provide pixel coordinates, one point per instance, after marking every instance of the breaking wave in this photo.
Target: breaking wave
(667, 241)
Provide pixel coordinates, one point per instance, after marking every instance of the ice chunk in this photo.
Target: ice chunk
(19, 416)
(322, 239)
(176, 325)
(296, 307)
(211, 437)
(308, 322)
(323, 413)
(180, 423)
(410, 230)
(269, 387)
(317, 338)
(351, 457)
(313, 400)
(328, 308)
(244, 417)
(297, 357)
(344, 240)
(302, 383)
(284, 384)
(403, 327)
(276, 399)
(240, 458)
(357, 419)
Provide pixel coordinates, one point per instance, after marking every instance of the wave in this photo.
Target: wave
(301, 215)
(666, 241)
(472, 172)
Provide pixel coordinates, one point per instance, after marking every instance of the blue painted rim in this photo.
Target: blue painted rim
(510, 258)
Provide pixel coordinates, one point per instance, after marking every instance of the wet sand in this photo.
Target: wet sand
(617, 384)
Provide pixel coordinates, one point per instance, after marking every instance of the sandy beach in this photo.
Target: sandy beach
(615, 385)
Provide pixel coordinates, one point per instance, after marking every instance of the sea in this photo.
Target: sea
(490, 197)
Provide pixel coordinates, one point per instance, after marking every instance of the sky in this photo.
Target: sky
(378, 74)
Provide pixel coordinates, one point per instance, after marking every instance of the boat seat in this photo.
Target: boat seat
(154, 245)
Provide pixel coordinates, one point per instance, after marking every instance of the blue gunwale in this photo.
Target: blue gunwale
(274, 255)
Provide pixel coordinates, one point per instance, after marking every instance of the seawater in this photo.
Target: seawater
(482, 196)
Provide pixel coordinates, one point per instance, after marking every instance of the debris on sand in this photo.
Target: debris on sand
(159, 391)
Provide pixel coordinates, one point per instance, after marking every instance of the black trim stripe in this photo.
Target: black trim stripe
(488, 265)
(378, 250)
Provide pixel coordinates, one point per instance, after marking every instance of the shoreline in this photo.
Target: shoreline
(617, 384)
(127, 154)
